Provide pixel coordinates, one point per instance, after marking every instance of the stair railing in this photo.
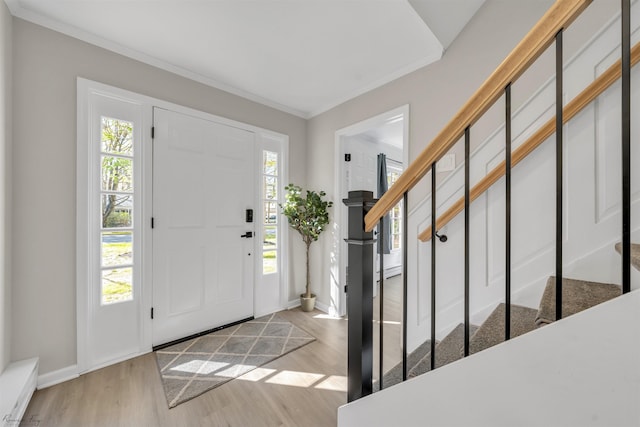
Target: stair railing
(365, 212)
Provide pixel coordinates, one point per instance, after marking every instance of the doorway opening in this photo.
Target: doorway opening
(371, 155)
(357, 149)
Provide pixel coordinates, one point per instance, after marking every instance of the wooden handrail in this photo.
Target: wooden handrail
(588, 95)
(559, 16)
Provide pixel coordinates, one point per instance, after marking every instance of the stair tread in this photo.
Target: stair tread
(492, 331)
(577, 295)
(635, 253)
(447, 351)
(394, 375)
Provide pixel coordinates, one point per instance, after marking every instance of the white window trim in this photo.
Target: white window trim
(87, 212)
(399, 168)
(272, 141)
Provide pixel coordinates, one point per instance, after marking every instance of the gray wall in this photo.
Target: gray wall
(46, 64)
(5, 185)
(436, 92)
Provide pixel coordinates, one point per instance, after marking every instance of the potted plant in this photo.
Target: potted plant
(308, 216)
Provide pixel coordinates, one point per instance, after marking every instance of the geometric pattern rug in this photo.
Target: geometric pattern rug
(193, 367)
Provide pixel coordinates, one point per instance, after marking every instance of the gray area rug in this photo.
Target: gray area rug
(193, 367)
(577, 295)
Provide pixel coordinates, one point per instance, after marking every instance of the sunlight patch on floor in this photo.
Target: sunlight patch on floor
(235, 370)
(387, 322)
(334, 383)
(294, 378)
(257, 374)
(297, 379)
(327, 317)
(200, 367)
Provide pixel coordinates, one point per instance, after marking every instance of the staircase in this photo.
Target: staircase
(578, 295)
(581, 370)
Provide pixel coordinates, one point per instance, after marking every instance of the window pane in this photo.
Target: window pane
(116, 285)
(395, 227)
(117, 174)
(270, 188)
(270, 237)
(269, 262)
(117, 248)
(270, 163)
(396, 241)
(117, 136)
(270, 212)
(117, 211)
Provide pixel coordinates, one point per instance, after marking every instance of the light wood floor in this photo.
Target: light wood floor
(392, 325)
(302, 388)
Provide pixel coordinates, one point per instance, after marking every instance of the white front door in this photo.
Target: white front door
(203, 185)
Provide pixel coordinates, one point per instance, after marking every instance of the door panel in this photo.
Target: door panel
(203, 183)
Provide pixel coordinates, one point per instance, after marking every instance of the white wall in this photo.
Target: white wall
(46, 65)
(592, 202)
(5, 184)
(436, 92)
(558, 375)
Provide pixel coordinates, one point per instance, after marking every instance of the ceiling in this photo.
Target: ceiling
(300, 56)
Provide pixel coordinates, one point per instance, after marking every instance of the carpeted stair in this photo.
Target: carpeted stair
(419, 361)
(492, 331)
(394, 375)
(635, 254)
(447, 351)
(577, 295)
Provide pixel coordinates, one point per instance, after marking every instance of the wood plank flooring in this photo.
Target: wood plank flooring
(392, 326)
(302, 388)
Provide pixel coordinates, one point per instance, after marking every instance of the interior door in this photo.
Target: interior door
(203, 185)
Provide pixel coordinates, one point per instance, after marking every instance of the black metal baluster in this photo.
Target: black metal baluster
(433, 266)
(467, 142)
(559, 120)
(405, 260)
(507, 232)
(381, 302)
(626, 146)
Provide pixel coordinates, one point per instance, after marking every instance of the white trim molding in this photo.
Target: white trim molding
(56, 377)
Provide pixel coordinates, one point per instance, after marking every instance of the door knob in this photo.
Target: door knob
(248, 234)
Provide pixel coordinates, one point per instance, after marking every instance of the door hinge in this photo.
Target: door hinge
(347, 157)
(152, 313)
(153, 223)
(345, 289)
(153, 132)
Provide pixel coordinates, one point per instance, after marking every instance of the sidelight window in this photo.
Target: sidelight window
(116, 210)
(270, 249)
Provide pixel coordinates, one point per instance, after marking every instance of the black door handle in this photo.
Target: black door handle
(248, 234)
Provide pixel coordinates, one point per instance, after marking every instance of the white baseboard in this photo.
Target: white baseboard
(322, 307)
(293, 304)
(296, 303)
(57, 377)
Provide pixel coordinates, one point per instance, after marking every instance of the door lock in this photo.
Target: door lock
(248, 234)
